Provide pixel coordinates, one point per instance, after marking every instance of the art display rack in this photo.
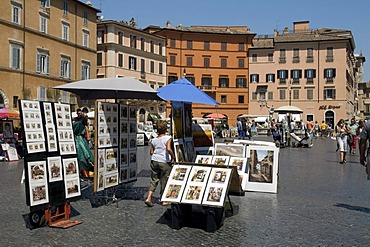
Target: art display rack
(182, 211)
(115, 149)
(50, 163)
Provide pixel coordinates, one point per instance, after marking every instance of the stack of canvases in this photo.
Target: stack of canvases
(256, 162)
(116, 142)
(51, 162)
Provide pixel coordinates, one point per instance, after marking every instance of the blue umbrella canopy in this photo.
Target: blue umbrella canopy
(183, 90)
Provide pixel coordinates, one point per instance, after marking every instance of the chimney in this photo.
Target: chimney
(168, 24)
(276, 32)
(301, 26)
(286, 30)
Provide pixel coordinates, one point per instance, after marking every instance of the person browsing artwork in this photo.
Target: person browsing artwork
(162, 156)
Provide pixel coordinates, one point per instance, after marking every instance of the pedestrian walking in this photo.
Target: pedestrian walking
(353, 126)
(316, 129)
(162, 157)
(341, 132)
(365, 154)
(240, 128)
(323, 128)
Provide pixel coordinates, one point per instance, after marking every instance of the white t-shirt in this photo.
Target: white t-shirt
(160, 151)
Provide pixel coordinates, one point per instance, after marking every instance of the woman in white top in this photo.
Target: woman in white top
(341, 131)
(162, 157)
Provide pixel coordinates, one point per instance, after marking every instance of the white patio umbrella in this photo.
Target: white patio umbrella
(110, 88)
(288, 109)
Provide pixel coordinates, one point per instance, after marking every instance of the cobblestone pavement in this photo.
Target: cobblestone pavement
(319, 203)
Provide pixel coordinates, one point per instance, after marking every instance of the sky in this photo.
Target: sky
(261, 16)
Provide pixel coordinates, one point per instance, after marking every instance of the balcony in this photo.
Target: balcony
(207, 88)
(282, 59)
(309, 59)
(329, 58)
(329, 80)
(282, 81)
(296, 60)
(295, 81)
(309, 81)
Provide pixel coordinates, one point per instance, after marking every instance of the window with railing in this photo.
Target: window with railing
(296, 55)
(223, 82)
(329, 54)
(309, 74)
(241, 82)
(254, 95)
(270, 77)
(282, 57)
(206, 82)
(329, 75)
(295, 74)
(254, 78)
(282, 75)
(309, 58)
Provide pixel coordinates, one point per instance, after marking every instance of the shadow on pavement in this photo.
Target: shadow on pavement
(355, 208)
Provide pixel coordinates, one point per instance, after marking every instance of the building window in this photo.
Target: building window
(132, 41)
(282, 75)
(254, 96)
(41, 93)
(100, 37)
(85, 70)
(296, 74)
(65, 67)
(16, 13)
(282, 95)
(132, 63)
(15, 56)
(120, 60)
(223, 46)
(241, 63)
(206, 45)
(120, 38)
(223, 99)
(189, 61)
(329, 54)
(241, 99)
(191, 79)
(223, 62)
(270, 57)
(99, 60)
(45, 3)
(65, 31)
(309, 55)
(241, 82)
(207, 82)
(151, 66)
(42, 63)
(43, 24)
(270, 77)
(206, 61)
(241, 47)
(172, 78)
(160, 46)
(86, 36)
(172, 43)
(160, 69)
(254, 78)
(309, 74)
(295, 55)
(172, 60)
(65, 7)
(254, 58)
(15, 101)
(309, 93)
(262, 96)
(282, 58)
(85, 17)
(189, 44)
(142, 44)
(329, 93)
(295, 93)
(270, 95)
(151, 46)
(329, 74)
(223, 82)
(142, 68)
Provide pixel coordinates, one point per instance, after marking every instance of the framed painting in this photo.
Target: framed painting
(230, 149)
(204, 159)
(70, 168)
(203, 135)
(220, 160)
(240, 163)
(262, 173)
(217, 186)
(8, 129)
(72, 187)
(177, 123)
(179, 151)
(176, 183)
(55, 169)
(111, 180)
(188, 128)
(37, 182)
(12, 154)
(123, 174)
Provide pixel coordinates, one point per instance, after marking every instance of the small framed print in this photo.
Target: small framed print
(204, 159)
(72, 187)
(100, 183)
(240, 163)
(124, 174)
(36, 147)
(132, 113)
(123, 112)
(124, 128)
(196, 185)
(55, 169)
(220, 160)
(230, 149)
(8, 129)
(39, 194)
(111, 180)
(124, 158)
(132, 158)
(30, 105)
(132, 142)
(34, 136)
(133, 128)
(215, 195)
(37, 181)
(70, 168)
(101, 159)
(67, 148)
(220, 176)
(262, 169)
(37, 172)
(124, 142)
(179, 151)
